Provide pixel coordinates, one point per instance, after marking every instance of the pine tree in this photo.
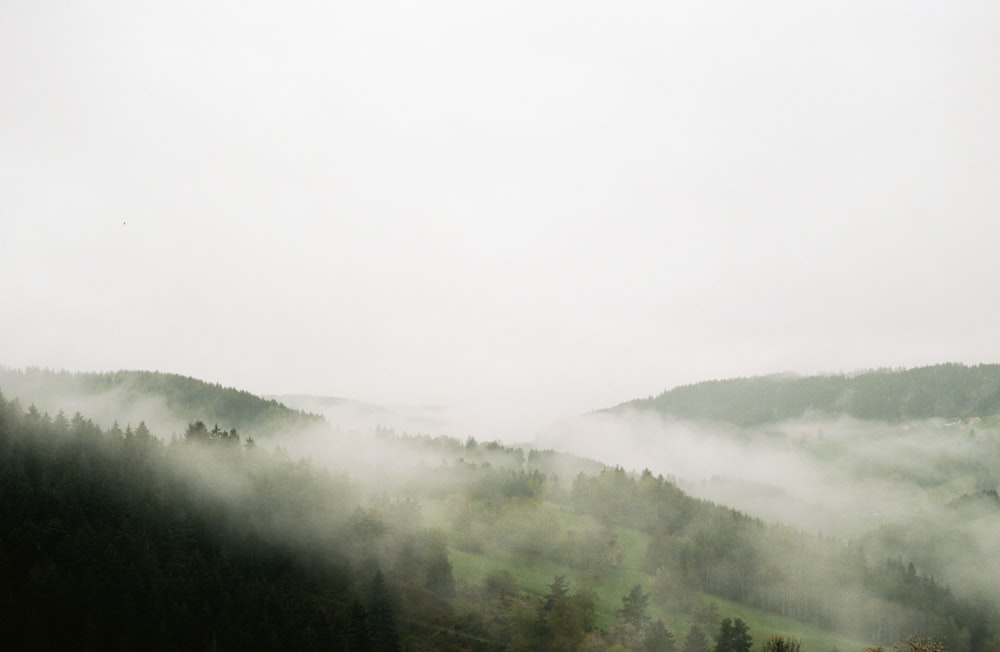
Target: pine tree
(659, 638)
(696, 640)
(558, 591)
(734, 636)
(381, 616)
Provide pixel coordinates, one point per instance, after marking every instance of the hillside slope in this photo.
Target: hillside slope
(501, 510)
(947, 391)
(166, 402)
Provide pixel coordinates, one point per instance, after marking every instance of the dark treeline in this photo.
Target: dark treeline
(111, 539)
(948, 391)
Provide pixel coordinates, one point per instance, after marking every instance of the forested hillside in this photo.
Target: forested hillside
(165, 401)
(947, 391)
(112, 538)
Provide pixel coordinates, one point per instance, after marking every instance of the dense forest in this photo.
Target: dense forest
(947, 391)
(114, 538)
(148, 393)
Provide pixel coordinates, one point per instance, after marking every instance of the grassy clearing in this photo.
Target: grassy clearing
(534, 575)
(764, 624)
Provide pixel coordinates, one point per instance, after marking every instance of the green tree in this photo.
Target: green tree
(196, 431)
(658, 638)
(381, 616)
(734, 636)
(565, 626)
(439, 577)
(630, 621)
(500, 585)
(707, 615)
(558, 591)
(563, 619)
(634, 607)
(781, 644)
(696, 641)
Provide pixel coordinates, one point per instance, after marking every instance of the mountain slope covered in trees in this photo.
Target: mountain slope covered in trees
(112, 539)
(210, 542)
(947, 391)
(167, 402)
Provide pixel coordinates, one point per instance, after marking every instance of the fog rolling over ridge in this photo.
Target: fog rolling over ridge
(556, 206)
(481, 420)
(822, 475)
(354, 415)
(336, 285)
(896, 485)
(166, 402)
(487, 529)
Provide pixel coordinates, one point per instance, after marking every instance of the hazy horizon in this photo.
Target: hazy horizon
(519, 212)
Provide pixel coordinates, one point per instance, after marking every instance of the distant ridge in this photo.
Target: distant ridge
(182, 399)
(947, 391)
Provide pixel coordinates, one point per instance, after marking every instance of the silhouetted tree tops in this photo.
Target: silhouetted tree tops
(115, 540)
(198, 432)
(781, 644)
(734, 636)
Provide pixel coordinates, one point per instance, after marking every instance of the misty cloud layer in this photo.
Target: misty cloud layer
(530, 210)
(893, 488)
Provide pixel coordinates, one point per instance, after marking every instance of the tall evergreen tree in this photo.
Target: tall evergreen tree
(781, 644)
(630, 620)
(696, 641)
(381, 616)
(558, 590)
(634, 605)
(658, 638)
(734, 636)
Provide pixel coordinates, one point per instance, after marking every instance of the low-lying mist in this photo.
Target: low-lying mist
(893, 487)
(492, 419)
(915, 491)
(54, 393)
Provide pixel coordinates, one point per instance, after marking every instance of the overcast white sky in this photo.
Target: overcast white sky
(530, 209)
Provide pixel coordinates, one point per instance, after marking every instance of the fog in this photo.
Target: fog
(518, 212)
(840, 476)
(461, 420)
(859, 510)
(483, 220)
(894, 488)
(123, 405)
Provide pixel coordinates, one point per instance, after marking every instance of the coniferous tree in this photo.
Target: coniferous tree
(734, 636)
(558, 590)
(439, 577)
(634, 605)
(381, 616)
(696, 641)
(781, 644)
(658, 638)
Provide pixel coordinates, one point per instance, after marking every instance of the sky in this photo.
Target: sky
(522, 210)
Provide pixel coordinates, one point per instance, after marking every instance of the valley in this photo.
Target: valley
(834, 531)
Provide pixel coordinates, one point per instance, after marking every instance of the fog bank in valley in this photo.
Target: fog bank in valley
(918, 489)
